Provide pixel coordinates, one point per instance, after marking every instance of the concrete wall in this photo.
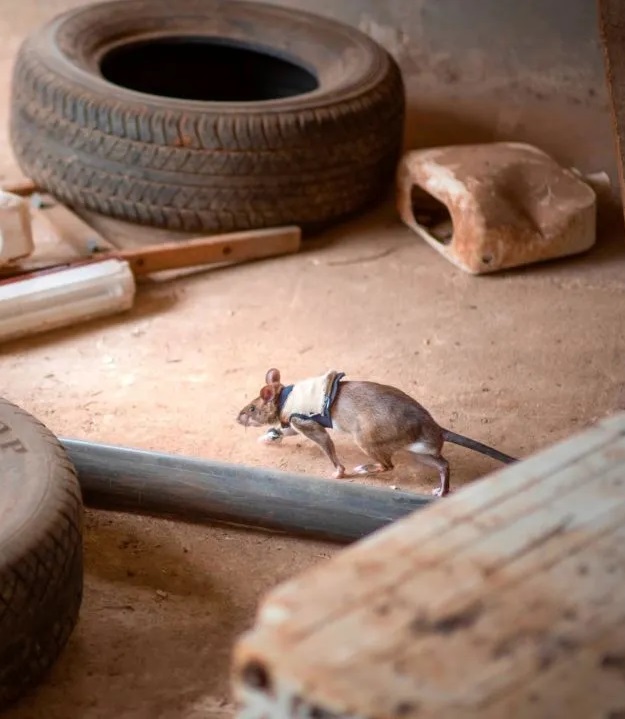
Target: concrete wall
(479, 70)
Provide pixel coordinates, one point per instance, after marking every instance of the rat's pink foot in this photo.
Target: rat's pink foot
(340, 472)
(369, 469)
(438, 492)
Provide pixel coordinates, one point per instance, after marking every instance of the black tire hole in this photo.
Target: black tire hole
(206, 69)
(432, 214)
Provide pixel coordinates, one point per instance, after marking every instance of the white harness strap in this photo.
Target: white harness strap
(311, 398)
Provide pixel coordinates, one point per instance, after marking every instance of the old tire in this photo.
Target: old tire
(280, 152)
(41, 571)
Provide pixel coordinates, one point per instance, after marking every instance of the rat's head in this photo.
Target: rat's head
(264, 409)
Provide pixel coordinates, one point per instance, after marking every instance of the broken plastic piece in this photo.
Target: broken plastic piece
(16, 239)
(494, 206)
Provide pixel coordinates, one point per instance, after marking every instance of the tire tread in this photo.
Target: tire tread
(94, 152)
(41, 573)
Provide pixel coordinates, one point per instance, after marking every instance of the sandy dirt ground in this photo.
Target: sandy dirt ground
(518, 361)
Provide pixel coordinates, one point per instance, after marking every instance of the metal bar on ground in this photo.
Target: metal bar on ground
(207, 491)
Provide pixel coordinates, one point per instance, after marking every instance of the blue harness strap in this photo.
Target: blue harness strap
(324, 418)
(284, 393)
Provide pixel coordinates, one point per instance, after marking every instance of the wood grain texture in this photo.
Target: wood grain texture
(505, 600)
(22, 187)
(72, 229)
(230, 247)
(612, 31)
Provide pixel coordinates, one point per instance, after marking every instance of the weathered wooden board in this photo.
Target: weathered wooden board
(506, 599)
(612, 32)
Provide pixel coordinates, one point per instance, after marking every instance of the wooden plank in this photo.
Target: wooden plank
(460, 523)
(69, 228)
(612, 33)
(62, 236)
(505, 599)
(22, 187)
(231, 247)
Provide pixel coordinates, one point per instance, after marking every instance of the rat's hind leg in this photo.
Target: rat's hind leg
(314, 431)
(436, 462)
(371, 468)
(381, 456)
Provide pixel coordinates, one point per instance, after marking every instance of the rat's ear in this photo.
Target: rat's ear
(267, 393)
(272, 376)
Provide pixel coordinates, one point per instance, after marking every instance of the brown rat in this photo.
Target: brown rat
(380, 419)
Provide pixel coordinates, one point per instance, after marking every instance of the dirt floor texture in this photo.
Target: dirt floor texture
(517, 360)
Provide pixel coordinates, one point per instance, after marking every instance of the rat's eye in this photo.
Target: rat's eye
(252, 409)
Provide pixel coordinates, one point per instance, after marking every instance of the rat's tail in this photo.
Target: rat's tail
(454, 438)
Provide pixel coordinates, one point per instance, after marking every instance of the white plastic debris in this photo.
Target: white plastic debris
(16, 237)
(63, 297)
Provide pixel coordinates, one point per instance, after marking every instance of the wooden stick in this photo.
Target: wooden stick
(23, 188)
(70, 228)
(611, 29)
(230, 247)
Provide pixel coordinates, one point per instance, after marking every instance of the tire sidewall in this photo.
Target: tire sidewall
(61, 46)
(26, 471)
(41, 558)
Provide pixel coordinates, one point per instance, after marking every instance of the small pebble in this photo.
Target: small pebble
(160, 593)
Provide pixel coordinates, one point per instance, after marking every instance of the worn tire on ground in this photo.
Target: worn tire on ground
(41, 564)
(309, 158)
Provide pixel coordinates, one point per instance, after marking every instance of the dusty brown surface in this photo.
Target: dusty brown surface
(517, 361)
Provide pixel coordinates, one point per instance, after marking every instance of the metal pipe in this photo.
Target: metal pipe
(206, 491)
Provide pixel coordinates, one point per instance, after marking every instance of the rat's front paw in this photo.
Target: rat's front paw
(340, 472)
(438, 492)
(272, 436)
